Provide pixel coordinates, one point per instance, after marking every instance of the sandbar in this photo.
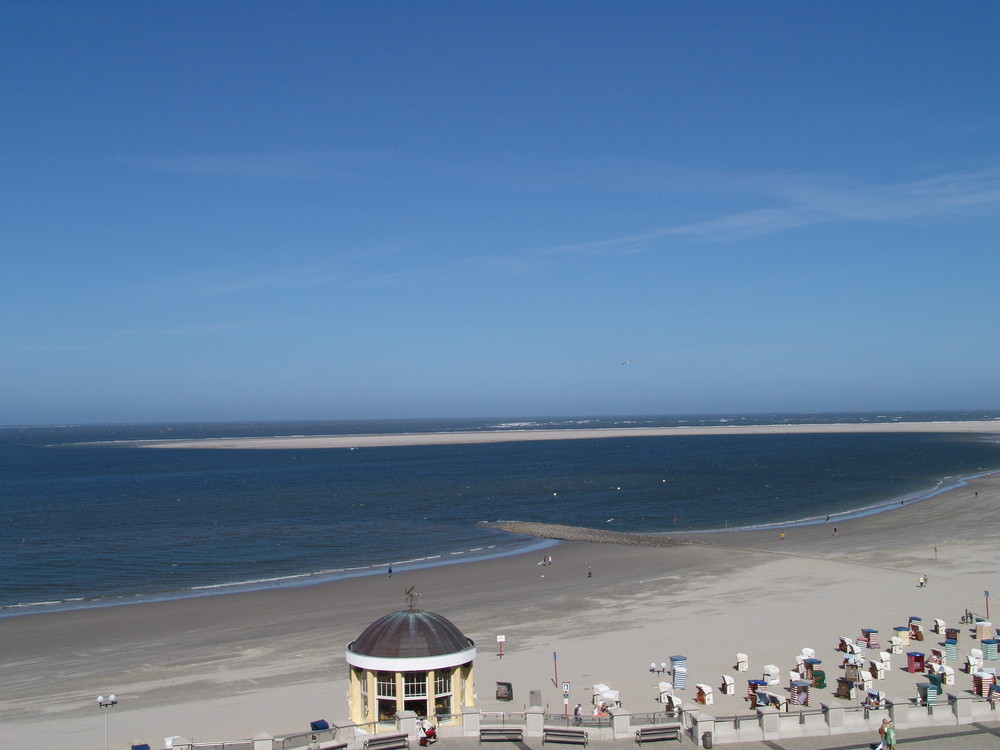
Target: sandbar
(301, 442)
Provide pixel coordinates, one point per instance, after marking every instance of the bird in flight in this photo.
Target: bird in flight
(627, 362)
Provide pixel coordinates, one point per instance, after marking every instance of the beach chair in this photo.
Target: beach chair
(974, 660)
(666, 691)
(845, 644)
(800, 664)
(845, 689)
(793, 676)
(885, 657)
(742, 663)
(876, 670)
(728, 685)
(808, 653)
(949, 675)
(772, 675)
(704, 696)
(939, 626)
(875, 699)
(895, 645)
(864, 681)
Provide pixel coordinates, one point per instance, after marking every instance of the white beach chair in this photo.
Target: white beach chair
(808, 653)
(728, 685)
(845, 644)
(896, 645)
(877, 670)
(800, 663)
(939, 626)
(704, 694)
(666, 691)
(742, 663)
(949, 675)
(772, 675)
(886, 657)
(864, 681)
(671, 703)
(974, 660)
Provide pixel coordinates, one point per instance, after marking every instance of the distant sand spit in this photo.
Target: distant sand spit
(301, 442)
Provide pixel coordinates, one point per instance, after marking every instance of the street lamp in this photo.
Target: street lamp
(110, 702)
(658, 669)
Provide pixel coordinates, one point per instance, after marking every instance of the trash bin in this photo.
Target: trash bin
(706, 739)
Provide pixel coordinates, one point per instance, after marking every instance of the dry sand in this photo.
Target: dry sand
(230, 666)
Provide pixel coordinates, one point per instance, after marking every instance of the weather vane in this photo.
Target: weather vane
(411, 597)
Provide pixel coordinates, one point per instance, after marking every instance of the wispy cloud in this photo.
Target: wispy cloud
(806, 201)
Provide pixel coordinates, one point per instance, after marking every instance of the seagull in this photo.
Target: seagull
(609, 520)
(627, 362)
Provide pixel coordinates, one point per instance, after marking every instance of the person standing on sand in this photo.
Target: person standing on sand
(390, 571)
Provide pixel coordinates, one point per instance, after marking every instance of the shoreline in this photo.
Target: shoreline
(299, 442)
(544, 535)
(229, 666)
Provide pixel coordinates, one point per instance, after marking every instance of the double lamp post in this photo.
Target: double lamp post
(106, 703)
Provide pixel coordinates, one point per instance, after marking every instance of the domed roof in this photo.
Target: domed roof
(410, 633)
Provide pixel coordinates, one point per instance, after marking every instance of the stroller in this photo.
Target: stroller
(426, 734)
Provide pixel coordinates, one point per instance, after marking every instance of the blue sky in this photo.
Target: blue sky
(284, 210)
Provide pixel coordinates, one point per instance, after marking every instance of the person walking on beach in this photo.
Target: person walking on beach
(577, 719)
(390, 571)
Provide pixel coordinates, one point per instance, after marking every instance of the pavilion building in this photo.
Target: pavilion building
(410, 660)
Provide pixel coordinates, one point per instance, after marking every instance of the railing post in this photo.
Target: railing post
(621, 723)
(961, 706)
(406, 723)
(263, 741)
(834, 718)
(344, 731)
(534, 719)
(701, 723)
(769, 722)
(472, 718)
(899, 711)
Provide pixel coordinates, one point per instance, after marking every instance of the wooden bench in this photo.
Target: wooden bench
(501, 734)
(664, 732)
(387, 742)
(573, 736)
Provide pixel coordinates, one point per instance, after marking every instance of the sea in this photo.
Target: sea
(91, 518)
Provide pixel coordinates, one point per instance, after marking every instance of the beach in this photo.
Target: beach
(230, 666)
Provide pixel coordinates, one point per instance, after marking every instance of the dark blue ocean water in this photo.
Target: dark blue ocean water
(89, 518)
